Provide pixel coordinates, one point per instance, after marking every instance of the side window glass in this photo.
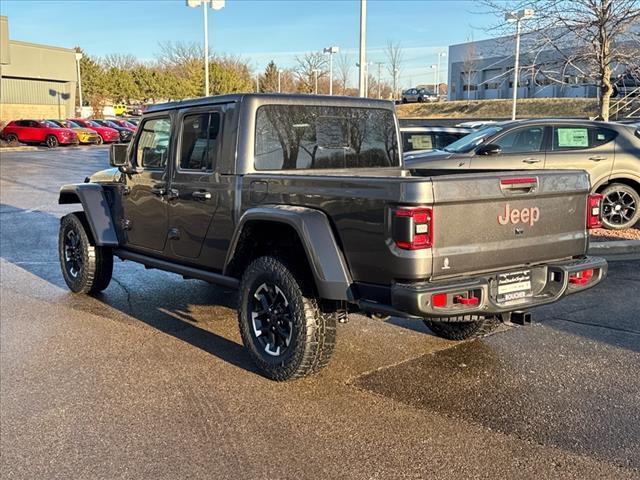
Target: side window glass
(444, 139)
(153, 143)
(419, 141)
(600, 136)
(522, 140)
(568, 138)
(199, 141)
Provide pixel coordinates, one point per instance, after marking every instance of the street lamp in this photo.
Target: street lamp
(440, 55)
(279, 84)
(363, 37)
(331, 51)
(216, 5)
(365, 69)
(315, 76)
(78, 58)
(517, 17)
(435, 72)
(395, 82)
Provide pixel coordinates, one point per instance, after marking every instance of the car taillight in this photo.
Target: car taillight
(582, 277)
(594, 210)
(413, 228)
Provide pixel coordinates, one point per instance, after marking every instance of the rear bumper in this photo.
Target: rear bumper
(550, 282)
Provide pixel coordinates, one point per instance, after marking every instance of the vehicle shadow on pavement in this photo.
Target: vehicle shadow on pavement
(179, 308)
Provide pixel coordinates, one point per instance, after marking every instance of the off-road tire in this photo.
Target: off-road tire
(462, 327)
(96, 268)
(51, 141)
(313, 332)
(631, 196)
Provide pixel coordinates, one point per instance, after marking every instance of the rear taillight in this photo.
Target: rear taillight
(594, 210)
(413, 228)
(582, 277)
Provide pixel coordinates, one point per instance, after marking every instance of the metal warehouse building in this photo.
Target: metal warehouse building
(36, 81)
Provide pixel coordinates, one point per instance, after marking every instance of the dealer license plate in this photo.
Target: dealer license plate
(514, 286)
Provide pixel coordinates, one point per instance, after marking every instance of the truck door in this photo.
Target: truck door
(145, 215)
(195, 183)
(522, 148)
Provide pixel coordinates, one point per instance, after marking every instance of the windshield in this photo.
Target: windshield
(92, 123)
(471, 141)
(52, 124)
(73, 124)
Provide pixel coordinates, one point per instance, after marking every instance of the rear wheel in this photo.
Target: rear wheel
(100, 140)
(620, 206)
(12, 138)
(462, 327)
(281, 322)
(51, 141)
(86, 268)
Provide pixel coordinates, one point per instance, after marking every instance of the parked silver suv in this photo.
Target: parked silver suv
(610, 152)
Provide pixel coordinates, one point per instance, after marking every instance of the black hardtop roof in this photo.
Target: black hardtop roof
(271, 98)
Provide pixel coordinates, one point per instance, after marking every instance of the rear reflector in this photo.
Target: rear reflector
(594, 210)
(582, 277)
(413, 228)
(518, 180)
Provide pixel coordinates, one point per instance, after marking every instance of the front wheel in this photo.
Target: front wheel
(281, 323)
(51, 141)
(100, 140)
(86, 268)
(461, 328)
(620, 207)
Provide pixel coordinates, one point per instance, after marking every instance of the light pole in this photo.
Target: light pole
(331, 51)
(517, 17)
(315, 77)
(279, 83)
(435, 68)
(78, 58)
(216, 5)
(257, 83)
(379, 75)
(440, 55)
(363, 47)
(395, 83)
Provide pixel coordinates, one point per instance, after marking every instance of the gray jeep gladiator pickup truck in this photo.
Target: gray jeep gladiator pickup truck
(302, 204)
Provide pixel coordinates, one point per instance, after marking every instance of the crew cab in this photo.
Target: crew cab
(302, 204)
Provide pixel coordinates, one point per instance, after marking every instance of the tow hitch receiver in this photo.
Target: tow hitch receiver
(521, 318)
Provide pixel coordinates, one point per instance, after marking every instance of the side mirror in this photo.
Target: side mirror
(118, 155)
(489, 149)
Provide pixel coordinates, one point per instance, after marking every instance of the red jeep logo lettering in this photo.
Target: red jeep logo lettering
(524, 215)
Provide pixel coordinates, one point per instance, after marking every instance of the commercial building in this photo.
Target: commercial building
(36, 81)
(484, 70)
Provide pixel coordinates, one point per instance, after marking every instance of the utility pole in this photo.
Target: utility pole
(437, 91)
(363, 35)
(315, 76)
(331, 51)
(517, 17)
(78, 58)
(216, 5)
(257, 83)
(395, 83)
(379, 76)
(279, 84)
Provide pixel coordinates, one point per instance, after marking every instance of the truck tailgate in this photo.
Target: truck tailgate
(498, 220)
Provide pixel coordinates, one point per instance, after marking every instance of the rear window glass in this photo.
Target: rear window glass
(290, 137)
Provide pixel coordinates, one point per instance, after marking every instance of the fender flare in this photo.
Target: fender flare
(96, 208)
(329, 268)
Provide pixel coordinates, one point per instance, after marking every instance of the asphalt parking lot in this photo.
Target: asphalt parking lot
(149, 379)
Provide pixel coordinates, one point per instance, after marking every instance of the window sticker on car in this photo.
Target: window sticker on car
(421, 142)
(601, 136)
(573, 137)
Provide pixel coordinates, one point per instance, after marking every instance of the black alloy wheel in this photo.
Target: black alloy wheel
(620, 207)
(271, 319)
(51, 141)
(73, 254)
(11, 138)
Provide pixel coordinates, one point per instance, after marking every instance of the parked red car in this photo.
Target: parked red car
(107, 135)
(35, 131)
(124, 123)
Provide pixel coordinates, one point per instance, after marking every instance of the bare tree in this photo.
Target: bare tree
(344, 66)
(469, 66)
(593, 38)
(393, 53)
(177, 54)
(121, 61)
(307, 67)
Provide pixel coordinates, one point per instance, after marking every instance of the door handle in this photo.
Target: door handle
(531, 160)
(172, 194)
(201, 195)
(160, 191)
(597, 158)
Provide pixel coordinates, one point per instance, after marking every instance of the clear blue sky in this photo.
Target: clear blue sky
(258, 31)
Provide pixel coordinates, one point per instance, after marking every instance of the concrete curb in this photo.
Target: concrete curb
(18, 149)
(617, 247)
